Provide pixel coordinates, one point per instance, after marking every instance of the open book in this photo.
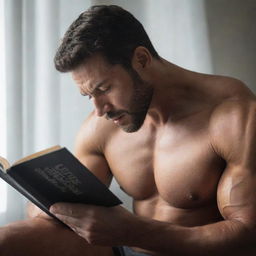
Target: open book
(55, 175)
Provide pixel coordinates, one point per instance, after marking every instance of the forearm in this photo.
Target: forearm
(221, 238)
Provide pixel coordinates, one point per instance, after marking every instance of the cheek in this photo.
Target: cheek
(122, 99)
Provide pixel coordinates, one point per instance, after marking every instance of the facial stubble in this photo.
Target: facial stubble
(140, 102)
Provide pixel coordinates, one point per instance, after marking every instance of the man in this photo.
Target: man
(180, 143)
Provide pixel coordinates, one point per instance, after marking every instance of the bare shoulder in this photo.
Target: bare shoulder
(232, 130)
(93, 134)
(90, 144)
(230, 88)
(233, 124)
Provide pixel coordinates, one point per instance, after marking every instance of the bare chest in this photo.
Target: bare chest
(177, 166)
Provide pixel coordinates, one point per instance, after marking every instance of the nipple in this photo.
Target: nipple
(193, 197)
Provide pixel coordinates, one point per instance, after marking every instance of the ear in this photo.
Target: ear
(141, 58)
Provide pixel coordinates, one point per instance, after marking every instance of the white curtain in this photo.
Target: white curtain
(44, 108)
(31, 85)
(39, 112)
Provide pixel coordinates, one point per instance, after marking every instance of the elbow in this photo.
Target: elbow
(247, 229)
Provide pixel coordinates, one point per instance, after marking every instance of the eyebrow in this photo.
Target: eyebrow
(95, 87)
(99, 84)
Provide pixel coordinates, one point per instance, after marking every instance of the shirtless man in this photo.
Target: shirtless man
(180, 143)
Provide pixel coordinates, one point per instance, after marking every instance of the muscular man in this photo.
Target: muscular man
(180, 143)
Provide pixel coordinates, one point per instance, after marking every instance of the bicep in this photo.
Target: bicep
(88, 150)
(237, 195)
(233, 134)
(97, 164)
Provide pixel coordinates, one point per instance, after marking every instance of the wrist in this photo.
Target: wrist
(153, 236)
(139, 231)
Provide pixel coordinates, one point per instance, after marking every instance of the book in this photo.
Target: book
(56, 175)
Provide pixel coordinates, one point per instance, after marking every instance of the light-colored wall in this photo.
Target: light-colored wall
(232, 37)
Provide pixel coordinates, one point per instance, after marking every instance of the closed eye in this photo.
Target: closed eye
(86, 95)
(97, 91)
(103, 89)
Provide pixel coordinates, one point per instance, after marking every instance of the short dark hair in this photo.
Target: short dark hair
(106, 29)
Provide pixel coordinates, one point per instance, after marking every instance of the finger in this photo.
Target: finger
(74, 223)
(44, 215)
(74, 210)
(67, 209)
(71, 223)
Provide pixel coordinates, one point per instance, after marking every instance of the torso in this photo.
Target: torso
(172, 171)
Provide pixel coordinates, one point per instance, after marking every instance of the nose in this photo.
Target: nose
(101, 106)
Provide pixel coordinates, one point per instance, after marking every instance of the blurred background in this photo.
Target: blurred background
(40, 107)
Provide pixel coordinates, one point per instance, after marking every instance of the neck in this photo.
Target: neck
(177, 93)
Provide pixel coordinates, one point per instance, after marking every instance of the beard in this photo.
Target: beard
(139, 104)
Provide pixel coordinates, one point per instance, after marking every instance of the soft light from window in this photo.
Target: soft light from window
(3, 186)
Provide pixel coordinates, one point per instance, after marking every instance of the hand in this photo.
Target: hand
(106, 226)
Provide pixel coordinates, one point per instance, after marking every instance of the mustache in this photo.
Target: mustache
(114, 114)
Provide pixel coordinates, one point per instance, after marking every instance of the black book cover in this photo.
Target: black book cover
(58, 177)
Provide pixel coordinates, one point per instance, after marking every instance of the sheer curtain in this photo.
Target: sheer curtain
(31, 85)
(39, 112)
(42, 107)
(3, 187)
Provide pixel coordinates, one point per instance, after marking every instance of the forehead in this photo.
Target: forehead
(92, 72)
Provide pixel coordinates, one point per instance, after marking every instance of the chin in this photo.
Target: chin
(135, 123)
(130, 128)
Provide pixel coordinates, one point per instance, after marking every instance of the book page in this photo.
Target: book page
(37, 154)
(4, 163)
